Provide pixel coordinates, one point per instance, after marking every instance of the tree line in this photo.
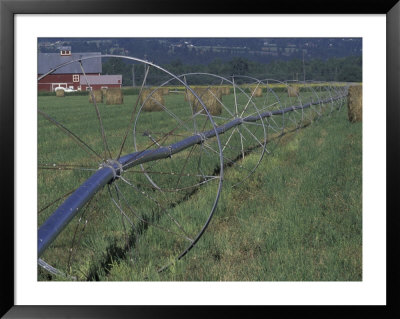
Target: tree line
(348, 69)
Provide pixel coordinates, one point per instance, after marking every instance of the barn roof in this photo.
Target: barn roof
(101, 79)
(47, 61)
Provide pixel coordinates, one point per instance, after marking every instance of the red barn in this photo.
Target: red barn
(71, 75)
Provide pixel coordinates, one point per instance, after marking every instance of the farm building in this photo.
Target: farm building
(71, 75)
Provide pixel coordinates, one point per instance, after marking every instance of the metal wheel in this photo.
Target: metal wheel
(122, 215)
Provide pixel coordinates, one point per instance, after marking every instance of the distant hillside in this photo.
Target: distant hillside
(277, 58)
(205, 50)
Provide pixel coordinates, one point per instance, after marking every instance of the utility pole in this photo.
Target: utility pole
(304, 69)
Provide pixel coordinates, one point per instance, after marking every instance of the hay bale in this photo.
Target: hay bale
(293, 90)
(210, 98)
(160, 89)
(213, 106)
(114, 96)
(98, 96)
(354, 103)
(189, 96)
(217, 91)
(256, 92)
(152, 104)
(60, 93)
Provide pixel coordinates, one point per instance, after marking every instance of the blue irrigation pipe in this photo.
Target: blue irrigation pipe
(52, 227)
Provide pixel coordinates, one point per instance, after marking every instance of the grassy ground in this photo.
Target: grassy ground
(297, 218)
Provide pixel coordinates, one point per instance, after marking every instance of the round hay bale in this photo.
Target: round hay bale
(216, 91)
(153, 102)
(160, 89)
(114, 96)
(210, 98)
(212, 105)
(98, 96)
(354, 103)
(60, 93)
(293, 90)
(256, 92)
(189, 96)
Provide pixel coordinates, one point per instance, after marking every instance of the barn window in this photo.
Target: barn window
(65, 52)
(75, 78)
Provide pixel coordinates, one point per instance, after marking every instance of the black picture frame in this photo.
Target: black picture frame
(9, 8)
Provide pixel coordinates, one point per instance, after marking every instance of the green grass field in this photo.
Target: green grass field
(298, 217)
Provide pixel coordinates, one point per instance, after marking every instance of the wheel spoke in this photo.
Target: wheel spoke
(103, 134)
(133, 113)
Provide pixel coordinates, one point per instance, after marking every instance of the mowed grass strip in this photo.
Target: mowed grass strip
(298, 218)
